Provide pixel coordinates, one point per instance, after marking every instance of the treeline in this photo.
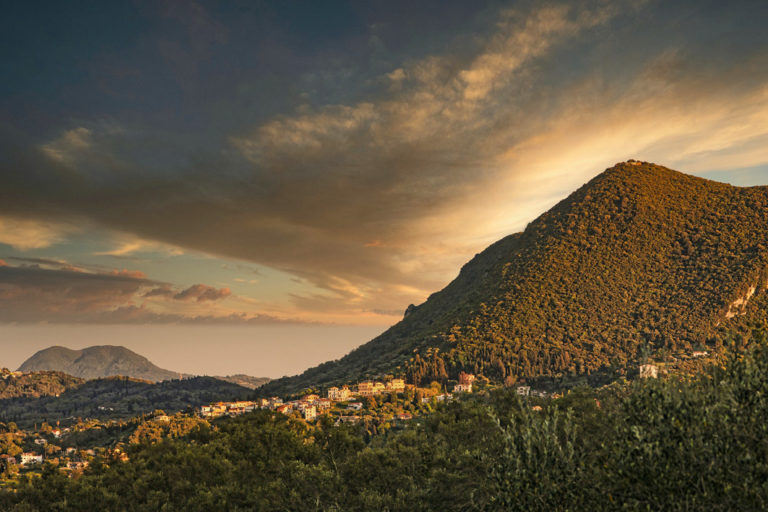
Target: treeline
(667, 444)
(118, 398)
(35, 384)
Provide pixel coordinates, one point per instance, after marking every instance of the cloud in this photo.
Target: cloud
(69, 145)
(25, 234)
(128, 245)
(202, 293)
(33, 293)
(48, 263)
(376, 202)
(54, 291)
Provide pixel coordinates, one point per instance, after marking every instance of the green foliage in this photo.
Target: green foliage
(35, 384)
(119, 397)
(675, 444)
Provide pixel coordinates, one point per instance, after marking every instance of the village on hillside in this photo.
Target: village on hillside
(348, 401)
(378, 405)
(344, 399)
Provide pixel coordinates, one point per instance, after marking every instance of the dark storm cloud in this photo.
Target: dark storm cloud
(376, 189)
(303, 193)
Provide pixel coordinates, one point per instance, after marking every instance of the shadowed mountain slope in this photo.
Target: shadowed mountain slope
(119, 398)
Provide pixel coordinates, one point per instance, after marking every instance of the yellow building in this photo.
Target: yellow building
(370, 388)
(339, 394)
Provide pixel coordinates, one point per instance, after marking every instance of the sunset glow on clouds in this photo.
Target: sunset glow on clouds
(201, 171)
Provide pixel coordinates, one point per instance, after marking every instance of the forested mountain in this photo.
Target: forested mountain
(35, 384)
(96, 362)
(119, 397)
(641, 255)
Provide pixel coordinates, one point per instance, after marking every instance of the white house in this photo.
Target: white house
(648, 371)
(309, 412)
(31, 458)
(462, 388)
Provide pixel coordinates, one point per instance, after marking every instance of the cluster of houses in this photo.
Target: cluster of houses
(226, 409)
(310, 406)
(372, 388)
(366, 388)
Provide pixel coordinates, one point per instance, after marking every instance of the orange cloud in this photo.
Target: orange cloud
(134, 274)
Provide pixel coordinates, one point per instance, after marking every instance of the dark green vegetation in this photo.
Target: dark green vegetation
(639, 255)
(683, 443)
(118, 397)
(245, 380)
(97, 362)
(35, 384)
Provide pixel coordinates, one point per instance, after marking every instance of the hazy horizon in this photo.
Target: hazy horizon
(199, 350)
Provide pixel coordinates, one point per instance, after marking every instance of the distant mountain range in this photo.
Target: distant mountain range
(109, 360)
(640, 259)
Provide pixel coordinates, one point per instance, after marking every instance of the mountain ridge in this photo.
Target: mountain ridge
(101, 361)
(639, 255)
(96, 362)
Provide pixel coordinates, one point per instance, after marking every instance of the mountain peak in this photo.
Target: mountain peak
(641, 254)
(96, 362)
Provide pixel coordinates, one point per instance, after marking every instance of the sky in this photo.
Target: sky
(260, 186)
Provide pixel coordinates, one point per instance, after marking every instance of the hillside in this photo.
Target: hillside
(119, 397)
(97, 362)
(641, 255)
(35, 384)
(246, 381)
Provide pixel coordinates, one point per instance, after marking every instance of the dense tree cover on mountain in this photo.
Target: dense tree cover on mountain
(681, 443)
(119, 397)
(247, 381)
(36, 384)
(640, 254)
